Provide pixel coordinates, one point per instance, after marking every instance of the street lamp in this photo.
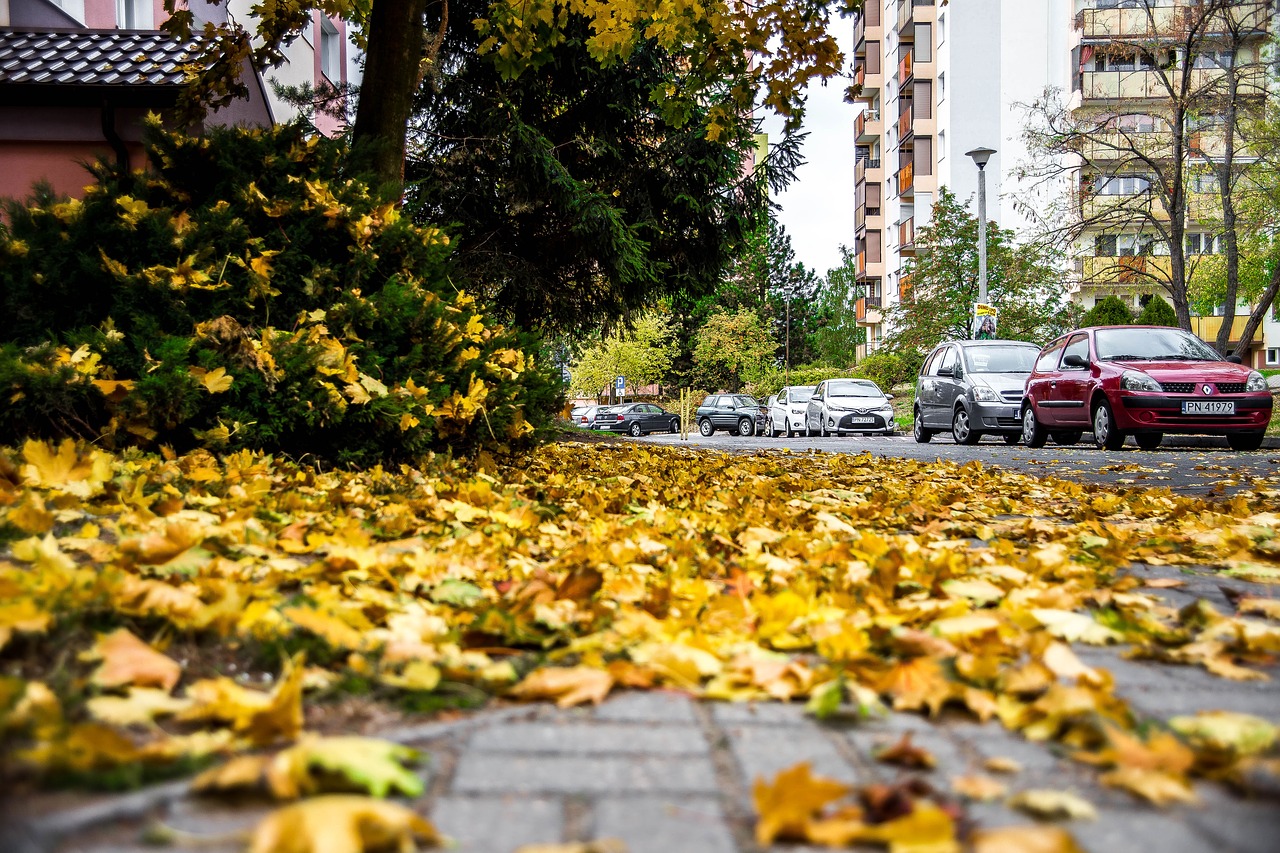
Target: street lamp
(980, 157)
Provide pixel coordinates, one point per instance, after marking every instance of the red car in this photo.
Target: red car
(1142, 381)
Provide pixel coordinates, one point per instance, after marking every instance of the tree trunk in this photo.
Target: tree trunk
(1259, 313)
(396, 41)
(1224, 171)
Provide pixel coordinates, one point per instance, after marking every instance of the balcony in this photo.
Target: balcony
(1112, 145)
(906, 181)
(906, 21)
(1207, 328)
(865, 165)
(1124, 85)
(907, 235)
(1164, 19)
(862, 264)
(1126, 269)
(867, 126)
(904, 288)
(904, 70)
(906, 123)
(860, 36)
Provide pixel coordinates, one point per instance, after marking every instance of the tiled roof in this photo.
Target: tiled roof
(91, 58)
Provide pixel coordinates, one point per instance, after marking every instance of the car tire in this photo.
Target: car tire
(746, 427)
(1033, 432)
(636, 430)
(918, 431)
(675, 425)
(769, 431)
(1066, 438)
(1245, 440)
(705, 428)
(1105, 434)
(1148, 440)
(822, 428)
(962, 429)
(1011, 438)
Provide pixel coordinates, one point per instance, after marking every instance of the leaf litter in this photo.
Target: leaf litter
(160, 610)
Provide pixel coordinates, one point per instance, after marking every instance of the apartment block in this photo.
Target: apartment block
(939, 79)
(1125, 55)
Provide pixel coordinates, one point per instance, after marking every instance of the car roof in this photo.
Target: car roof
(968, 343)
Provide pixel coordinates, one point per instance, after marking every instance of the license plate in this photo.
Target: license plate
(1208, 407)
(862, 420)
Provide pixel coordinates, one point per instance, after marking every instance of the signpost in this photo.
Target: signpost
(619, 385)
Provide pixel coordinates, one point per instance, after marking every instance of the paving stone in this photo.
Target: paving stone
(591, 738)
(202, 816)
(486, 772)
(991, 740)
(648, 707)
(764, 751)
(1249, 826)
(762, 713)
(950, 760)
(498, 824)
(664, 824)
(1134, 831)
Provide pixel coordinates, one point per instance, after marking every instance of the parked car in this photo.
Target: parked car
(848, 405)
(637, 419)
(740, 413)
(586, 416)
(787, 410)
(973, 388)
(1145, 381)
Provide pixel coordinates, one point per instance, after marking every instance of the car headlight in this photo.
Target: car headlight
(1255, 382)
(1132, 380)
(984, 394)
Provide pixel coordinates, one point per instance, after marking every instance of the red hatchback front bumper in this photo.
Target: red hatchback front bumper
(1138, 411)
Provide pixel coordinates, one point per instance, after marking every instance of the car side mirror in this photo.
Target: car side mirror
(1235, 359)
(888, 396)
(946, 371)
(1073, 360)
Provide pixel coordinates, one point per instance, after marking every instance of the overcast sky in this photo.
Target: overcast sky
(817, 210)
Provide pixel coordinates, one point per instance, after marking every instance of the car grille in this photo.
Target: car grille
(1014, 396)
(1190, 387)
(1008, 422)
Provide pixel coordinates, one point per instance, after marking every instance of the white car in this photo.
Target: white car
(849, 405)
(787, 411)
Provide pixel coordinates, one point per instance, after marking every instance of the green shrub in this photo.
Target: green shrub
(775, 379)
(246, 292)
(1157, 312)
(889, 369)
(1108, 311)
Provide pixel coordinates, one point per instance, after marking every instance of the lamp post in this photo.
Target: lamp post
(980, 157)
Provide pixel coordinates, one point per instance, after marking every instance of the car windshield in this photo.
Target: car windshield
(853, 389)
(746, 401)
(1000, 359)
(1152, 345)
(799, 395)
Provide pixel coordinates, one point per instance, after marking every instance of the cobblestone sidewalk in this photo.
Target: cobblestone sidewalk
(667, 774)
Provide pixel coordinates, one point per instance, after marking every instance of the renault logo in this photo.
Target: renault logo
(1208, 389)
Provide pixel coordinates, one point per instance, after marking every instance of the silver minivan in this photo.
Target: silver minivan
(972, 388)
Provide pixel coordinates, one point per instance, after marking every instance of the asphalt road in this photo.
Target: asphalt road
(1208, 468)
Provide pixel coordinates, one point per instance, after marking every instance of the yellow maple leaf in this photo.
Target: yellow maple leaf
(1025, 839)
(65, 469)
(214, 381)
(341, 824)
(785, 807)
(126, 660)
(566, 685)
(927, 829)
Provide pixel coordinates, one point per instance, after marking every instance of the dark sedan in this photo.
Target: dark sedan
(637, 419)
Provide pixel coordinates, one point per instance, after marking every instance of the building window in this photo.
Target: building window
(924, 43)
(330, 51)
(942, 28)
(1125, 185)
(133, 14)
(1214, 59)
(1104, 245)
(942, 87)
(1273, 356)
(1203, 244)
(942, 145)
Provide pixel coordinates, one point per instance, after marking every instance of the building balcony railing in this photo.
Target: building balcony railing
(1143, 84)
(907, 234)
(904, 69)
(860, 75)
(873, 301)
(906, 122)
(860, 310)
(904, 288)
(1126, 269)
(866, 126)
(862, 264)
(864, 165)
(1207, 328)
(860, 36)
(906, 20)
(906, 180)
(1164, 18)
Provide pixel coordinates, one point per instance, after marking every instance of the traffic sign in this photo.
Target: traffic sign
(620, 385)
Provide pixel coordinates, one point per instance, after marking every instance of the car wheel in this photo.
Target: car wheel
(746, 427)
(921, 435)
(1011, 438)
(1105, 434)
(1245, 440)
(769, 431)
(675, 425)
(1033, 432)
(1067, 437)
(962, 430)
(636, 430)
(822, 427)
(1148, 440)
(705, 428)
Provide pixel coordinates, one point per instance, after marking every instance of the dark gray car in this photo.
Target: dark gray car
(972, 388)
(740, 413)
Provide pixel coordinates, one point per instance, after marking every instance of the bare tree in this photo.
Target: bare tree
(1151, 79)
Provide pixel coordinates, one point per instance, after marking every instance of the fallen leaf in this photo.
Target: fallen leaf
(567, 686)
(906, 754)
(1000, 764)
(339, 823)
(785, 807)
(928, 829)
(126, 660)
(1024, 839)
(981, 788)
(1053, 805)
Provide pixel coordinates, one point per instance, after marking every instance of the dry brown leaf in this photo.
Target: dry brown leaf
(1155, 786)
(1053, 805)
(906, 754)
(126, 660)
(567, 686)
(977, 787)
